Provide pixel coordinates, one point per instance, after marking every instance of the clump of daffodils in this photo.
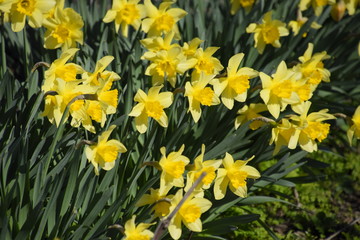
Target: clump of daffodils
(89, 98)
(303, 128)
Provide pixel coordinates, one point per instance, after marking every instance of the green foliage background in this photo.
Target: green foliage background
(49, 190)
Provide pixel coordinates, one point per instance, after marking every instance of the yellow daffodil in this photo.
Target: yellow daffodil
(5, 5)
(235, 85)
(64, 30)
(300, 21)
(206, 63)
(60, 69)
(200, 166)
(55, 105)
(167, 64)
(355, 128)
(281, 134)
(59, 4)
(351, 6)
(250, 112)
(199, 94)
(161, 203)
(33, 9)
(280, 89)
(189, 214)
(312, 67)
(246, 4)
(106, 103)
(234, 175)
(172, 169)
(100, 72)
(105, 152)
(268, 32)
(317, 5)
(151, 105)
(125, 13)
(137, 232)
(190, 48)
(163, 20)
(155, 44)
(303, 129)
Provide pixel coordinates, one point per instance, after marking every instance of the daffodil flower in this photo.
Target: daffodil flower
(161, 203)
(317, 5)
(355, 128)
(234, 175)
(156, 44)
(60, 69)
(105, 152)
(55, 105)
(137, 232)
(206, 63)
(200, 166)
(303, 129)
(151, 105)
(163, 20)
(125, 13)
(100, 72)
(199, 94)
(234, 86)
(64, 29)
(190, 48)
(237, 4)
(33, 9)
(312, 67)
(248, 113)
(172, 169)
(166, 64)
(189, 214)
(268, 32)
(280, 89)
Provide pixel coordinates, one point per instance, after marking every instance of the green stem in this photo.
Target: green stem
(26, 60)
(3, 52)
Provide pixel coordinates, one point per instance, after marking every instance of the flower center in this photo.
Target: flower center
(239, 83)
(164, 22)
(283, 89)
(270, 33)
(237, 177)
(204, 96)
(317, 130)
(61, 33)
(166, 67)
(174, 168)
(246, 3)
(108, 153)
(204, 65)
(129, 13)
(190, 212)
(154, 109)
(66, 72)
(209, 177)
(26, 7)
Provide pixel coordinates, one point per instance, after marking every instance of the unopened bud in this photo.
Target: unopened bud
(338, 10)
